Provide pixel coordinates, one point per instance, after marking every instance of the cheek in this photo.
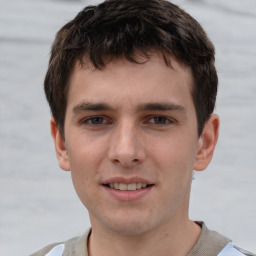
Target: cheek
(177, 152)
(85, 158)
(84, 175)
(84, 152)
(174, 161)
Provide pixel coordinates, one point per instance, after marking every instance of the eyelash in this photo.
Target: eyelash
(164, 121)
(89, 121)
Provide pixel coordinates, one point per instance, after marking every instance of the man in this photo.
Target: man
(132, 86)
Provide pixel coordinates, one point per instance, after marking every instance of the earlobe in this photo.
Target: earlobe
(60, 147)
(207, 143)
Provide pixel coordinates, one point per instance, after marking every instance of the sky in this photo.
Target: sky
(38, 204)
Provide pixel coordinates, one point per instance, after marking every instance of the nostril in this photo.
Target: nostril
(127, 162)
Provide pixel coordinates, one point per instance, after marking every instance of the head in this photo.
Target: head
(132, 29)
(131, 85)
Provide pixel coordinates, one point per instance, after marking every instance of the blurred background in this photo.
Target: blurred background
(38, 204)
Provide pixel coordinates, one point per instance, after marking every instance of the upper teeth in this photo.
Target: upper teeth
(131, 186)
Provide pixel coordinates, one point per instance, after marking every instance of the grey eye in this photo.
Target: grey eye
(160, 120)
(97, 120)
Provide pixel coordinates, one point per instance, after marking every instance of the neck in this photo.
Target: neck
(175, 238)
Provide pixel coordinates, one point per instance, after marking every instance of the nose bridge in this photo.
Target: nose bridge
(125, 146)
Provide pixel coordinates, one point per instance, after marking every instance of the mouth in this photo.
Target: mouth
(128, 187)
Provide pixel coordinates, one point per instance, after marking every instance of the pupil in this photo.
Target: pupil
(160, 120)
(97, 120)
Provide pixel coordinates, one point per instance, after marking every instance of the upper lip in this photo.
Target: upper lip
(127, 180)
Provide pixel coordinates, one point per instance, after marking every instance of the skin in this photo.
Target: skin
(135, 121)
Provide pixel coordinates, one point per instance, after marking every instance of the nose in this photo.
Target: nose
(126, 146)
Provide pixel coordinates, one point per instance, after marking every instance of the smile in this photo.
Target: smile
(127, 187)
(123, 189)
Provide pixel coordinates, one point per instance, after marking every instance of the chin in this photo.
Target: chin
(130, 229)
(130, 226)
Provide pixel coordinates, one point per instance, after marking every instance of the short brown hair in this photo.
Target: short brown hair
(119, 28)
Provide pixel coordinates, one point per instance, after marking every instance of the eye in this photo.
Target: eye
(96, 120)
(160, 120)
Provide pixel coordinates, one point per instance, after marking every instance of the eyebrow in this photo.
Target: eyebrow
(160, 107)
(152, 106)
(89, 106)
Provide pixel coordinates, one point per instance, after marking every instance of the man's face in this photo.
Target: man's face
(131, 143)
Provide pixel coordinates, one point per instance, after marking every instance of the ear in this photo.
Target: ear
(207, 143)
(60, 147)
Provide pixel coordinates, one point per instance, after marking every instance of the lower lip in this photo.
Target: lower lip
(128, 195)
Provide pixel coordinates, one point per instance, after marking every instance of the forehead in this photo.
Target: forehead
(150, 80)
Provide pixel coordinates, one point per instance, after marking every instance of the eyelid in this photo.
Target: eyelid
(85, 120)
(107, 121)
(169, 120)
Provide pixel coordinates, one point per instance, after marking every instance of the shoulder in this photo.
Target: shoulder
(211, 243)
(75, 246)
(231, 250)
(56, 247)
